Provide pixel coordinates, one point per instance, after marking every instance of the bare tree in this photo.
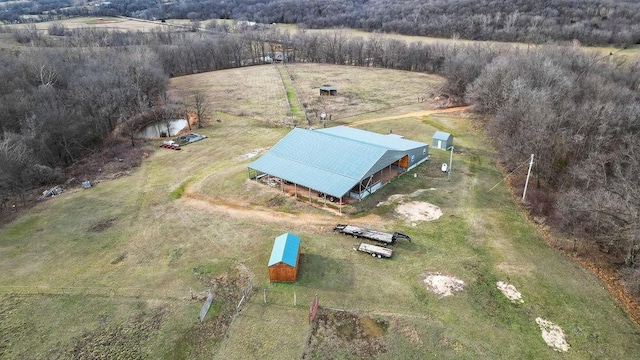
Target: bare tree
(201, 107)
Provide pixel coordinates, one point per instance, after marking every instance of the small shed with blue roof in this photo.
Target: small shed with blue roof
(285, 257)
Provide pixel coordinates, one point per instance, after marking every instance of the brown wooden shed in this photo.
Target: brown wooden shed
(285, 257)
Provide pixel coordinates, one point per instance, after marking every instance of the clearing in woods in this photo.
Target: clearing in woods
(126, 255)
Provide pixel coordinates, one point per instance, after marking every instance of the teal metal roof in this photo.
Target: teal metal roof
(285, 250)
(390, 141)
(441, 135)
(330, 160)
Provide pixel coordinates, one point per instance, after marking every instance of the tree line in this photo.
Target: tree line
(592, 22)
(576, 111)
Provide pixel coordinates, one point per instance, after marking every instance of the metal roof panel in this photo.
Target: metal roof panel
(285, 249)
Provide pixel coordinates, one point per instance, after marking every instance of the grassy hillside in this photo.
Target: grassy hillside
(109, 271)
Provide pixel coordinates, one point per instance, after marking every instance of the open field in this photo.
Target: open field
(124, 256)
(255, 92)
(261, 95)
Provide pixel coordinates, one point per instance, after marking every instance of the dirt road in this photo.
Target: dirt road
(416, 114)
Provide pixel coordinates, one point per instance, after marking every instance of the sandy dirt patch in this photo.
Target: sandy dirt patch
(553, 335)
(419, 211)
(510, 292)
(251, 154)
(443, 285)
(399, 197)
(413, 211)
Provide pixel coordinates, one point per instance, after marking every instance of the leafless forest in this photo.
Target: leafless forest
(589, 21)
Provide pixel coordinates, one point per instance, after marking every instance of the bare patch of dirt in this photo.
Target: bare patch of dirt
(251, 154)
(419, 211)
(413, 211)
(553, 335)
(442, 285)
(341, 334)
(510, 292)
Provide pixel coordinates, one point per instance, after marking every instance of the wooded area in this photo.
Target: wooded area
(577, 112)
(591, 22)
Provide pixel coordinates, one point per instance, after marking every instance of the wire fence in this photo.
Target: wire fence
(136, 292)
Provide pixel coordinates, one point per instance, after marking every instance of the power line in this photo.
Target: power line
(509, 174)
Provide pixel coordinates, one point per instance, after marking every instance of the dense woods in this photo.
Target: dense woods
(58, 104)
(588, 21)
(576, 111)
(579, 115)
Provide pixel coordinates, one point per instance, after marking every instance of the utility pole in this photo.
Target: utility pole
(450, 161)
(527, 181)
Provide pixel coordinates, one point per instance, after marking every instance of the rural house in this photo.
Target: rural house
(285, 256)
(442, 140)
(337, 163)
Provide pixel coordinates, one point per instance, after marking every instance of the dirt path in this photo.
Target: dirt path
(416, 114)
(314, 222)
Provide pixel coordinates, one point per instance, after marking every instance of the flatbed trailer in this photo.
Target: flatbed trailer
(375, 250)
(375, 235)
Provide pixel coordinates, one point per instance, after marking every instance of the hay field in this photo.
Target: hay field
(261, 94)
(125, 255)
(360, 90)
(256, 92)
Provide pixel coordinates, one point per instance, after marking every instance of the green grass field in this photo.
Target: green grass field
(109, 270)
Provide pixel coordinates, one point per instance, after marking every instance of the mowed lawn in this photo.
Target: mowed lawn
(110, 270)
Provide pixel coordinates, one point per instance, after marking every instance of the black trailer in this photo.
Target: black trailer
(375, 235)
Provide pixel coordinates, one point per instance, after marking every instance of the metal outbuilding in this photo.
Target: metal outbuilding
(339, 161)
(442, 140)
(285, 257)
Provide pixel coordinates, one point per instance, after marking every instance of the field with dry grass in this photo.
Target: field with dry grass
(261, 95)
(255, 92)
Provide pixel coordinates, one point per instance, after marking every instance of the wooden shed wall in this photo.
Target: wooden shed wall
(282, 272)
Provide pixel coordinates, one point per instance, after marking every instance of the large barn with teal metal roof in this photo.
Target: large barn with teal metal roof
(285, 257)
(339, 163)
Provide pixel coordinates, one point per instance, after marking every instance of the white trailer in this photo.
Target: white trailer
(375, 250)
(359, 232)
